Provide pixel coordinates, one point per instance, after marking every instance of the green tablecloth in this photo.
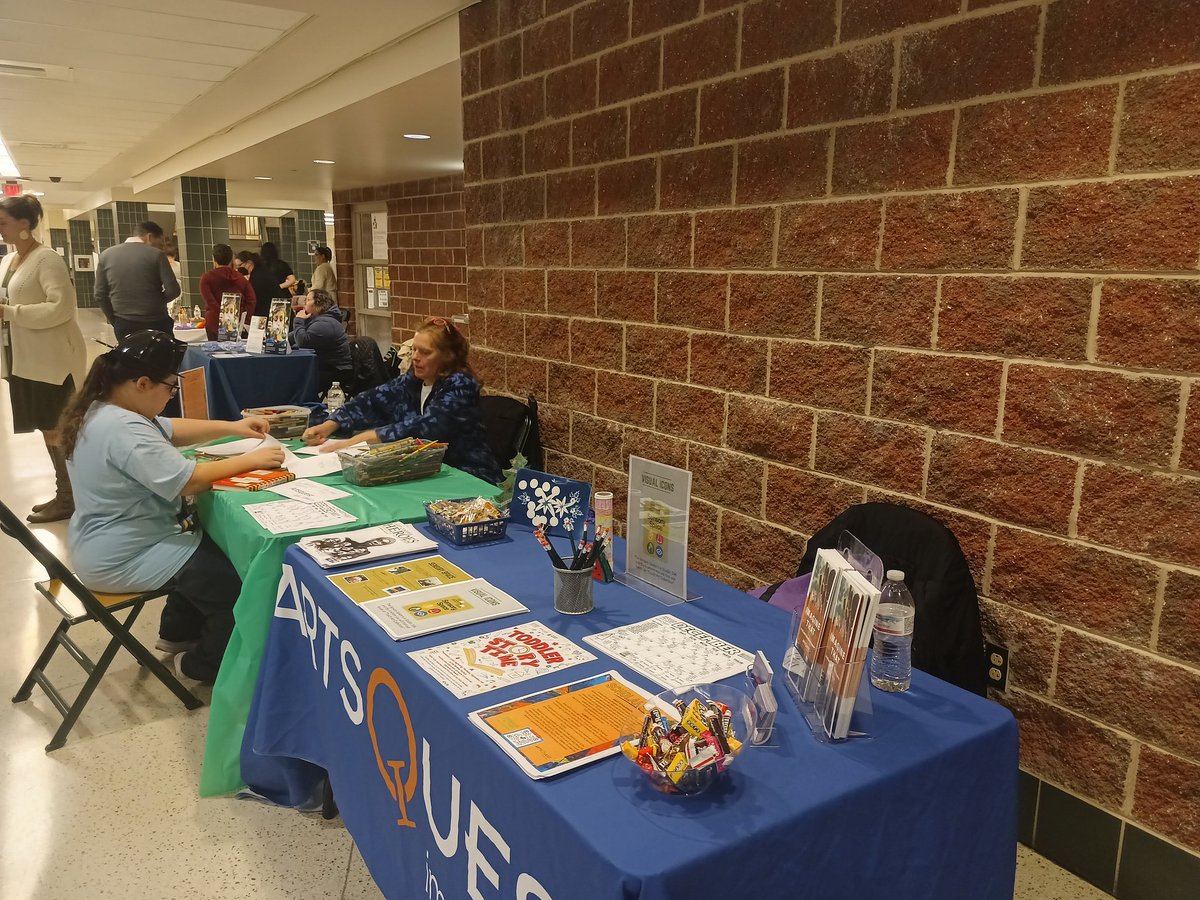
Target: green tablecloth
(258, 557)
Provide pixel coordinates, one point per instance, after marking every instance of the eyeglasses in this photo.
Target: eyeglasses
(173, 385)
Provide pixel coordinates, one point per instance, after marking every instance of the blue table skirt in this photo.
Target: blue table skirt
(925, 808)
(238, 382)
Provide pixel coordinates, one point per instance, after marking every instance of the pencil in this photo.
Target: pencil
(555, 559)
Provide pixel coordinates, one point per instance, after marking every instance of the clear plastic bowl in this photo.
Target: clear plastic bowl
(744, 713)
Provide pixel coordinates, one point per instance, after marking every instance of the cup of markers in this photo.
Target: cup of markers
(573, 576)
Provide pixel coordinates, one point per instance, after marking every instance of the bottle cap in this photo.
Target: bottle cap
(895, 574)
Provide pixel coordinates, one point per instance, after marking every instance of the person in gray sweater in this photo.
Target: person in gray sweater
(318, 326)
(135, 282)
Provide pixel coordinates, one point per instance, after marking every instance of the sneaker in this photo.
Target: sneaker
(184, 676)
(174, 646)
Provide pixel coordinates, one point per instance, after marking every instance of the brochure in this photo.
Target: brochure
(672, 652)
(479, 664)
(561, 729)
(414, 613)
(382, 582)
(364, 544)
(807, 643)
(852, 611)
(229, 325)
(276, 338)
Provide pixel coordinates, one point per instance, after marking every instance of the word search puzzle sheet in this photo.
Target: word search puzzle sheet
(672, 652)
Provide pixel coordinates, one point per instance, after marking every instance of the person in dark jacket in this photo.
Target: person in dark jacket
(438, 399)
(318, 326)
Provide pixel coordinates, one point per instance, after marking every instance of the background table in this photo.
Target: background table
(256, 379)
(926, 808)
(257, 555)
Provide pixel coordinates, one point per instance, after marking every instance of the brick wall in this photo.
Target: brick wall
(426, 248)
(940, 252)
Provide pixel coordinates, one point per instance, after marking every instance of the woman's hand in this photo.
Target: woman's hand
(255, 426)
(319, 434)
(301, 314)
(263, 458)
(363, 437)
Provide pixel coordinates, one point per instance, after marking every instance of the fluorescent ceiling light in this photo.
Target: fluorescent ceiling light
(8, 168)
(324, 162)
(262, 177)
(417, 137)
(38, 193)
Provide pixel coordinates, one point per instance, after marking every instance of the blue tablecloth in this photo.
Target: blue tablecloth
(257, 379)
(926, 808)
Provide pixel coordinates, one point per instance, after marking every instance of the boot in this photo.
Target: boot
(63, 504)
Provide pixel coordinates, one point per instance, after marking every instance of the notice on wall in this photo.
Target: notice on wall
(379, 247)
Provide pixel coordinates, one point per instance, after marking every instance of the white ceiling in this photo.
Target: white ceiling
(160, 88)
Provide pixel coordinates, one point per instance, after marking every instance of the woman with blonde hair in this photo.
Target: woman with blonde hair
(42, 346)
(438, 399)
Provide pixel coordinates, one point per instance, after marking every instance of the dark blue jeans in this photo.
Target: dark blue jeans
(199, 606)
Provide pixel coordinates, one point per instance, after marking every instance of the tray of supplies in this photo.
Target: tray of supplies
(286, 421)
(403, 460)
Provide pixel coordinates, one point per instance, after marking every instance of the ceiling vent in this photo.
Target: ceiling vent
(16, 69)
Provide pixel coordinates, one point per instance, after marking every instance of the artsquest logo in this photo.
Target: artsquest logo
(399, 774)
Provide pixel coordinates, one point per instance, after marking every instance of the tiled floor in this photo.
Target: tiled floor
(115, 812)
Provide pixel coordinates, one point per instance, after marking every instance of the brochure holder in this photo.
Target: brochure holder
(807, 686)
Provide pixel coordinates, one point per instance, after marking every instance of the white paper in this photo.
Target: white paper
(315, 466)
(414, 613)
(229, 353)
(309, 491)
(258, 334)
(285, 516)
(483, 663)
(238, 447)
(319, 448)
(672, 652)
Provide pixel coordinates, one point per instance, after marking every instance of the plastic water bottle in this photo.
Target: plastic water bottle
(334, 398)
(891, 657)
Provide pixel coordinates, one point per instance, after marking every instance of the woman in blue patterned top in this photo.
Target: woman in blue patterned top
(438, 400)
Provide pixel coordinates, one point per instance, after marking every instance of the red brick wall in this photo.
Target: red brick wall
(939, 252)
(426, 248)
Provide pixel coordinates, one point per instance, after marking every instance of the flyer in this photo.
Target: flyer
(561, 729)
(672, 652)
(381, 582)
(415, 613)
(479, 664)
(363, 544)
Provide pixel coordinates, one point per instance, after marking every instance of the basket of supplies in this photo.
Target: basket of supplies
(286, 421)
(404, 460)
(469, 520)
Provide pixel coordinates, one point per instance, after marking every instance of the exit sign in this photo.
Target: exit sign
(12, 189)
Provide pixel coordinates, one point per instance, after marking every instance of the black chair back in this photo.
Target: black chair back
(367, 365)
(947, 637)
(511, 429)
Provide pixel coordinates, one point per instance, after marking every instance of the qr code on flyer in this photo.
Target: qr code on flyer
(522, 738)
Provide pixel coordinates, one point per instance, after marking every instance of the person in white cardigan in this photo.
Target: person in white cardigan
(42, 346)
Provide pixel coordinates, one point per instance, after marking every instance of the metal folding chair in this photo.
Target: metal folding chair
(75, 603)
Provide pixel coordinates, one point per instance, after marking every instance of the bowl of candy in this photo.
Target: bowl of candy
(691, 737)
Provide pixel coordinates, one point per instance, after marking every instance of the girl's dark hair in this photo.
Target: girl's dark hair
(26, 207)
(108, 372)
(269, 252)
(451, 343)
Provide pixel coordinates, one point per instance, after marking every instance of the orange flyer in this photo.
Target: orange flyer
(568, 726)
